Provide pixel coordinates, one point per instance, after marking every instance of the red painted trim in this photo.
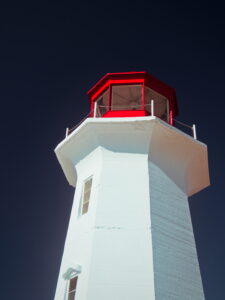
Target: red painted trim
(106, 77)
(135, 78)
(125, 113)
(114, 82)
(100, 91)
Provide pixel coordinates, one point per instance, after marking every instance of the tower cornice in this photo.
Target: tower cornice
(177, 154)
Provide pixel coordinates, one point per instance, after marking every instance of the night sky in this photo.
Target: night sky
(50, 56)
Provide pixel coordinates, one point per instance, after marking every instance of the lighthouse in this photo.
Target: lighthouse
(130, 233)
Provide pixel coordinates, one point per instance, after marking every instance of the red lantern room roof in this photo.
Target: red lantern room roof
(114, 92)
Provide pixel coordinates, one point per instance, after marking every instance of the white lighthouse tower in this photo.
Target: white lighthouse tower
(130, 234)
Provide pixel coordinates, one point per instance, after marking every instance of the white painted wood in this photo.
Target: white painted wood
(182, 157)
(194, 132)
(95, 109)
(176, 267)
(67, 131)
(136, 241)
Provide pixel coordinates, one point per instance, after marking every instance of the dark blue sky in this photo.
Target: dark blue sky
(50, 55)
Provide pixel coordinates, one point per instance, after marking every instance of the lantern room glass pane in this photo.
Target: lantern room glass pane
(161, 104)
(126, 97)
(102, 104)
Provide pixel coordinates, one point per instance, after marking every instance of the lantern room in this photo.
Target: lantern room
(132, 94)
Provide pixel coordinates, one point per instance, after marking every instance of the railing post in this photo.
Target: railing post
(67, 131)
(152, 107)
(95, 109)
(194, 132)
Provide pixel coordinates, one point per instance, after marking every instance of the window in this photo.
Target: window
(86, 196)
(71, 277)
(126, 97)
(102, 104)
(161, 104)
(72, 288)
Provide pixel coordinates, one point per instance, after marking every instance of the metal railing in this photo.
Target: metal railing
(69, 130)
(94, 114)
(193, 127)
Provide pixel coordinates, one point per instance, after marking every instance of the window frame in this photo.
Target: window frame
(82, 202)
